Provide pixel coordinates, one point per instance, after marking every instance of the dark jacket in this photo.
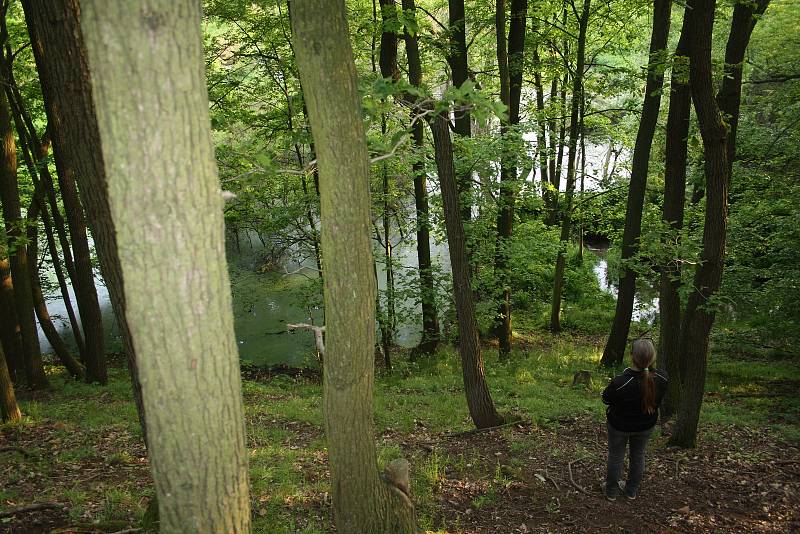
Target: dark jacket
(624, 399)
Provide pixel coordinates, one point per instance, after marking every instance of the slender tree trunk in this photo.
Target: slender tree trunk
(62, 64)
(675, 158)
(583, 173)
(510, 62)
(618, 339)
(459, 67)
(166, 206)
(59, 347)
(39, 150)
(362, 502)
(10, 334)
(430, 319)
(9, 410)
(83, 283)
(479, 400)
(18, 253)
(541, 133)
(566, 223)
(729, 97)
(699, 316)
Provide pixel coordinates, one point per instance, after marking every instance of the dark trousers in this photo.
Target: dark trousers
(617, 441)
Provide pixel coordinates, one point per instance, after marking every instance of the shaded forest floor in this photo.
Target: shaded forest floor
(79, 447)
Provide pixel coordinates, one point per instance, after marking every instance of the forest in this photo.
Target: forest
(394, 266)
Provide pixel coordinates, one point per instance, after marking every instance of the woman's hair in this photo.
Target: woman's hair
(643, 354)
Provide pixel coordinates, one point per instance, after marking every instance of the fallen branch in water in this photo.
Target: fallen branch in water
(318, 334)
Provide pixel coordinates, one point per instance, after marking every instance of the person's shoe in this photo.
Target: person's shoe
(630, 497)
(610, 497)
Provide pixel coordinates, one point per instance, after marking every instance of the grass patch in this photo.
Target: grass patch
(79, 426)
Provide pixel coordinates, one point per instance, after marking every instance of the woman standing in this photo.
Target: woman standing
(633, 399)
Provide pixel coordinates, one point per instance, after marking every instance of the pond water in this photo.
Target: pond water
(645, 303)
(265, 300)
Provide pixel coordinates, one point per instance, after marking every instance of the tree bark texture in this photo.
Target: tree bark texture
(18, 253)
(9, 410)
(430, 318)
(10, 334)
(675, 158)
(479, 400)
(566, 223)
(700, 309)
(149, 90)
(618, 338)
(459, 67)
(362, 502)
(61, 60)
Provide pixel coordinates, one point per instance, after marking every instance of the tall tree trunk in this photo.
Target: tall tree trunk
(362, 502)
(700, 313)
(729, 97)
(618, 338)
(479, 400)
(83, 283)
(510, 61)
(675, 157)
(62, 64)
(166, 206)
(553, 130)
(541, 132)
(459, 67)
(39, 150)
(10, 334)
(9, 410)
(566, 209)
(18, 253)
(430, 319)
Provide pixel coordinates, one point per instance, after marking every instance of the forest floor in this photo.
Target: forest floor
(80, 451)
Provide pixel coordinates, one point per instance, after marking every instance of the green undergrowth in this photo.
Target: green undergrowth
(74, 425)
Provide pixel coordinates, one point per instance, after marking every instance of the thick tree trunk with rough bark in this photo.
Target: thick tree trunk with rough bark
(459, 67)
(618, 338)
(430, 319)
(166, 206)
(566, 208)
(479, 400)
(676, 151)
(57, 43)
(700, 310)
(9, 410)
(18, 253)
(362, 501)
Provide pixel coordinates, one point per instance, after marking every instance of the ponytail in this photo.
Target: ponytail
(648, 392)
(643, 354)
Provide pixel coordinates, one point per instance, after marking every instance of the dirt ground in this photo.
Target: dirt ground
(515, 479)
(742, 482)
